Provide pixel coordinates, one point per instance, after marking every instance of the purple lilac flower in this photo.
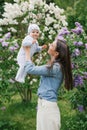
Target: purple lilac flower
(73, 65)
(77, 30)
(78, 80)
(16, 45)
(64, 31)
(86, 46)
(1, 40)
(77, 24)
(7, 35)
(76, 52)
(78, 43)
(5, 44)
(12, 48)
(61, 38)
(81, 108)
(84, 75)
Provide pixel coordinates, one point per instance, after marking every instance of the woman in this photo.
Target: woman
(52, 75)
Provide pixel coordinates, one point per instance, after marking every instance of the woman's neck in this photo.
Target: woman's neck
(52, 59)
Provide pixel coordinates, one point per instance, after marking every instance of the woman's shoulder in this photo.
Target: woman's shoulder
(57, 66)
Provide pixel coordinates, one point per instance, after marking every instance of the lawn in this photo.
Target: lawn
(21, 116)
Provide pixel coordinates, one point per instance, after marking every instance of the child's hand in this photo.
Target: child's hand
(44, 46)
(34, 41)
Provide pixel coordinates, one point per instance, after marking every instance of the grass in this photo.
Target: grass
(23, 116)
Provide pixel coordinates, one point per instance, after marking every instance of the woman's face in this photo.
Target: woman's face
(52, 49)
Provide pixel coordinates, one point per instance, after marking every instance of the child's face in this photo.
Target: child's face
(34, 34)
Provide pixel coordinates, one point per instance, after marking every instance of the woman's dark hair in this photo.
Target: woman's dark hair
(65, 62)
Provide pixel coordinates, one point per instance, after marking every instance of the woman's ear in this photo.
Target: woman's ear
(57, 53)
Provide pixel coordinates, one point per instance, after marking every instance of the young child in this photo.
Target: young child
(29, 41)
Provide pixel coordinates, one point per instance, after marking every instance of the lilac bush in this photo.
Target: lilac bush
(8, 50)
(17, 16)
(77, 40)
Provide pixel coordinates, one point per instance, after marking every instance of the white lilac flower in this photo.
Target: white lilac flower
(56, 26)
(46, 28)
(24, 20)
(4, 21)
(42, 37)
(24, 6)
(46, 7)
(31, 7)
(16, 10)
(0, 29)
(34, 80)
(49, 20)
(38, 2)
(37, 61)
(31, 82)
(50, 37)
(51, 32)
(40, 57)
(12, 29)
(17, 1)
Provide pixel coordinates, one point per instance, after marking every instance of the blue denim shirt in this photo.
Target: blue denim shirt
(51, 79)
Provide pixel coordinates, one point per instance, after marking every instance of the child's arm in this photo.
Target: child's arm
(40, 48)
(44, 46)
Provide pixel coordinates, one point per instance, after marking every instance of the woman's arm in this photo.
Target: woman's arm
(30, 68)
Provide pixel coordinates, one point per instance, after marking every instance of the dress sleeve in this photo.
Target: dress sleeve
(27, 41)
(39, 48)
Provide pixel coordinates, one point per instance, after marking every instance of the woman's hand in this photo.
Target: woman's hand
(27, 53)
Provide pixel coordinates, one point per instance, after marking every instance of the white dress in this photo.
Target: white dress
(20, 76)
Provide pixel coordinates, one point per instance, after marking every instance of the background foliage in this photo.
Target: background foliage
(73, 104)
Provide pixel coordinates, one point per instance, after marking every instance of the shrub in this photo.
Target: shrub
(18, 15)
(8, 50)
(77, 41)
